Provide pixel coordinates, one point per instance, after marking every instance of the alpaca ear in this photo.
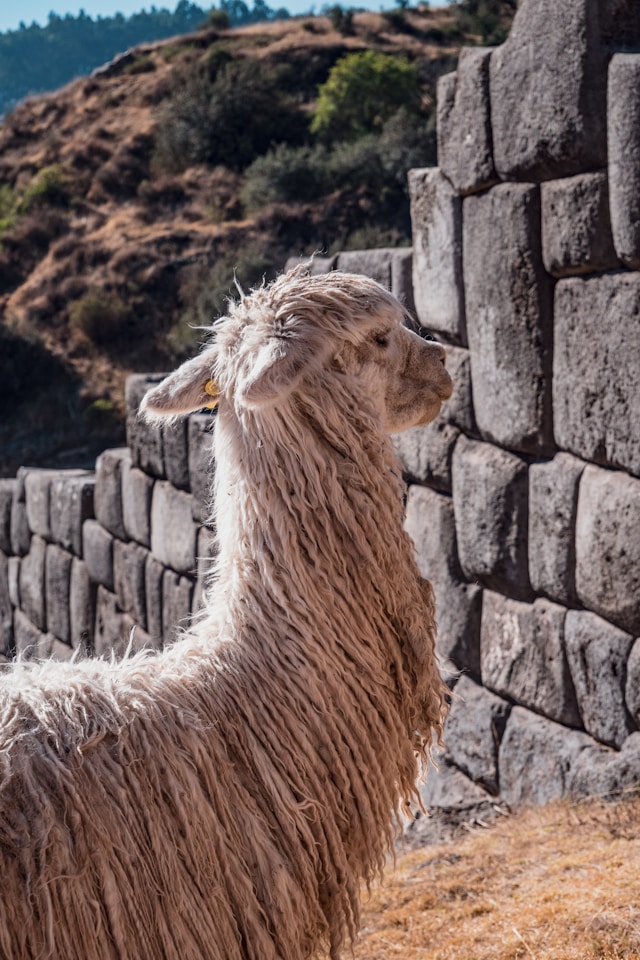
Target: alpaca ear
(190, 387)
(277, 369)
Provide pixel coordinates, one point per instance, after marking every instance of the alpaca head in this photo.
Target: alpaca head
(302, 330)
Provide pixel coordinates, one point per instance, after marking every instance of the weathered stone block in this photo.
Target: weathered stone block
(154, 572)
(623, 137)
(598, 654)
(370, 263)
(509, 317)
(402, 278)
(113, 627)
(82, 606)
(57, 586)
(108, 490)
(14, 581)
(537, 758)
(523, 656)
(143, 439)
(206, 553)
(177, 593)
(129, 561)
(137, 490)
(317, 265)
(173, 531)
(30, 642)
(549, 120)
(553, 503)
(576, 226)
(430, 522)
(608, 546)
(425, 453)
(7, 491)
(448, 788)
(436, 218)
(97, 550)
(465, 153)
(633, 683)
(602, 772)
(473, 732)
(201, 464)
(6, 608)
(596, 401)
(20, 531)
(32, 583)
(458, 410)
(176, 453)
(490, 494)
(37, 486)
(71, 503)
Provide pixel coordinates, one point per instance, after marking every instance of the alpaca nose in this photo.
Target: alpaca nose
(439, 350)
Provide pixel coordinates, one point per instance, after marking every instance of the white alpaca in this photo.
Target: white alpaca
(225, 799)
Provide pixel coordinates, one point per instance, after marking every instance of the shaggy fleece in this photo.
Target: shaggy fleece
(226, 798)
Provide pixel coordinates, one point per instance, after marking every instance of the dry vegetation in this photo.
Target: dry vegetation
(561, 883)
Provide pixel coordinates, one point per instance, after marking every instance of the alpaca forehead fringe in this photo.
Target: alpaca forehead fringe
(336, 303)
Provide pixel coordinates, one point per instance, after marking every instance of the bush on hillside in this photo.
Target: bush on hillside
(488, 19)
(100, 315)
(362, 91)
(286, 174)
(230, 120)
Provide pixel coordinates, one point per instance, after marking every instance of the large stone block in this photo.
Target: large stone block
(108, 490)
(548, 92)
(601, 772)
(458, 410)
(490, 495)
(448, 788)
(30, 642)
(402, 278)
(537, 758)
(465, 153)
(113, 628)
(129, 561)
(436, 218)
(137, 490)
(430, 523)
(201, 464)
(97, 550)
(20, 531)
(144, 439)
(523, 656)
(154, 572)
(596, 401)
(7, 491)
(316, 265)
(176, 453)
(608, 546)
(82, 606)
(576, 225)
(37, 486)
(370, 263)
(57, 586)
(425, 453)
(32, 583)
(173, 530)
(598, 654)
(206, 554)
(553, 503)
(70, 503)
(623, 136)
(14, 581)
(509, 317)
(177, 594)
(6, 608)
(633, 683)
(473, 732)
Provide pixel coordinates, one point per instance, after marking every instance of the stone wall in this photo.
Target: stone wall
(525, 503)
(85, 556)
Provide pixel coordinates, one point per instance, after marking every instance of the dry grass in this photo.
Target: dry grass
(561, 883)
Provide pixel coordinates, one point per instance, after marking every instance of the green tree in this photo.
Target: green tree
(362, 91)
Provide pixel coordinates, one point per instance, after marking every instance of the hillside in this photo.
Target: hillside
(127, 200)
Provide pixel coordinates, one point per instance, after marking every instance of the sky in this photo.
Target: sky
(12, 13)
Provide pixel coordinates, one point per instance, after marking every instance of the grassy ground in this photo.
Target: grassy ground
(560, 883)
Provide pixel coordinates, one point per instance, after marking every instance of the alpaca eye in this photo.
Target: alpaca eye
(382, 339)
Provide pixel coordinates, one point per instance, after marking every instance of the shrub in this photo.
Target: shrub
(488, 19)
(341, 19)
(100, 315)
(219, 19)
(286, 174)
(362, 91)
(50, 186)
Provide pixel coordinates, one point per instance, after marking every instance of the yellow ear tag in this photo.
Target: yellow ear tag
(211, 388)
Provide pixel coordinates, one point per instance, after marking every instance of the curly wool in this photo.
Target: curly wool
(226, 798)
